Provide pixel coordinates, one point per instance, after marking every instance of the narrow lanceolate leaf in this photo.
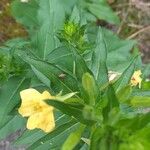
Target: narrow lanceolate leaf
(118, 50)
(111, 99)
(140, 101)
(31, 136)
(9, 95)
(80, 66)
(90, 87)
(75, 16)
(52, 72)
(41, 76)
(13, 124)
(96, 138)
(51, 16)
(99, 58)
(71, 110)
(73, 139)
(50, 136)
(126, 76)
(124, 93)
(139, 92)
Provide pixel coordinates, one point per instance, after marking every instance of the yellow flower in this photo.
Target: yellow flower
(33, 106)
(136, 78)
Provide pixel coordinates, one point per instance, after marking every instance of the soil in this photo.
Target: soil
(6, 143)
(9, 28)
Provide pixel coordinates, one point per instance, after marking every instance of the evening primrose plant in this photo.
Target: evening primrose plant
(80, 86)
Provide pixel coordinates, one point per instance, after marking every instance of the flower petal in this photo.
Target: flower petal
(47, 95)
(33, 102)
(30, 94)
(28, 108)
(44, 121)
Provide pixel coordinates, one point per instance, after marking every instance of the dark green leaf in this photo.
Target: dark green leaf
(124, 93)
(96, 137)
(62, 57)
(140, 101)
(58, 131)
(29, 137)
(99, 58)
(118, 50)
(14, 123)
(90, 87)
(51, 16)
(112, 101)
(25, 13)
(80, 67)
(71, 110)
(9, 95)
(52, 72)
(102, 11)
(126, 75)
(73, 139)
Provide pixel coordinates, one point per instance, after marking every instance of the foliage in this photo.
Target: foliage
(66, 51)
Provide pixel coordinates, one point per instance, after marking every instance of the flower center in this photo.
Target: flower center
(38, 107)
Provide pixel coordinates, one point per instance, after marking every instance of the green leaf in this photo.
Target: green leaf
(139, 92)
(80, 16)
(118, 50)
(9, 95)
(99, 58)
(52, 72)
(51, 16)
(50, 136)
(9, 63)
(138, 122)
(65, 97)
(68, 5)
(13, 44)
(124, 93)
(102, 11)
(75, 16)
(62, 57)
(71, 110)
(90, 88)
(41, 76)
(146, 71)
(145, 85)
(96, 137)
(73, 139)
(126, 75)
(140, 101)
(31, 136)
(80, 67)
(112, 101)
(25, 13)
(44, 19)
(14, 123)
